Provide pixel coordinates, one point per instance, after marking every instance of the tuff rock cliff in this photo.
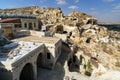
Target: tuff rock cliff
(92, 45)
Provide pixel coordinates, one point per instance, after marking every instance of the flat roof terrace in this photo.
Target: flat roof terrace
(50, 40)
(19, 51)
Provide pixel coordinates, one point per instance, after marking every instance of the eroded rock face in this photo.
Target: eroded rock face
(47, 15)
(23, 11)
(79, 19)
(94, 43)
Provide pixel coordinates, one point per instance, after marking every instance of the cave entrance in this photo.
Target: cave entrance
(88, 40)
(27, 72)
(59, 29)
(73, 64)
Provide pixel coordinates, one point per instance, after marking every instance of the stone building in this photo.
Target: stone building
(13, 25)
(53, 47)
(21, 58)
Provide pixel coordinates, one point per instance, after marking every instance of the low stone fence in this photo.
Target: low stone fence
(39, 33)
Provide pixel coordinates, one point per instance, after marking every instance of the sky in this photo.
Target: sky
(102, 10)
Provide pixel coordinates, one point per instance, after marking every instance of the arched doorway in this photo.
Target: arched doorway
(25, 25)
(40, 25)
(27, 72)
(40, 60)
(30, 26)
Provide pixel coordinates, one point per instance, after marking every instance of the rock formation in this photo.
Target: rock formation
(93, 45)
(47, 15)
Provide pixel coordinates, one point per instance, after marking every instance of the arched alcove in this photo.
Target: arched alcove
(30, 26)
(27, 72)
(39, 60)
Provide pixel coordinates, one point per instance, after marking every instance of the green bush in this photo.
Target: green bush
(89, 66)
(89, 69)
(87, 73)
(118, 38)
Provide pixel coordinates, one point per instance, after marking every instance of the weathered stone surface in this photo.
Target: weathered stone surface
(94, 43)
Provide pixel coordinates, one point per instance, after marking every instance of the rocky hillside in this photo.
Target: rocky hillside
(19, 11)
(48, 15)
(94, 49)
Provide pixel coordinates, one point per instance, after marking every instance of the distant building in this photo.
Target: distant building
(13, 25)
